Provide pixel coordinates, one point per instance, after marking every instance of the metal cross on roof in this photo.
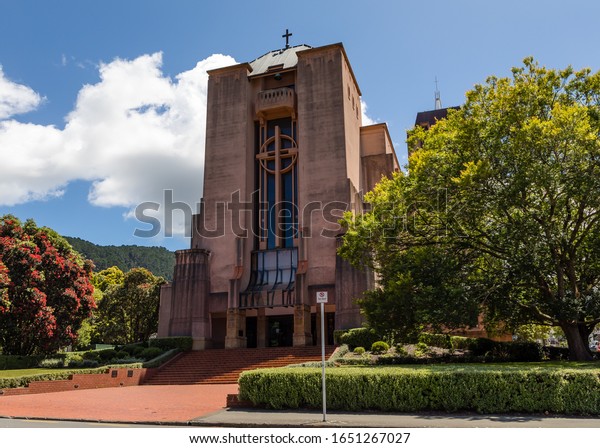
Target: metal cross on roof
(287, 38)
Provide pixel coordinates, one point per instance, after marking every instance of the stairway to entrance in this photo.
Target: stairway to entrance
(224, 366)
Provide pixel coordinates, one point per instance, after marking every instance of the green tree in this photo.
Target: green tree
(89, 332)
(108, 277)
(508, 187)
(45, 289)
(532, 332)
(128, 311)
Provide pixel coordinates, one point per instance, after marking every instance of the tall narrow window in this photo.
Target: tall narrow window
(277, 158)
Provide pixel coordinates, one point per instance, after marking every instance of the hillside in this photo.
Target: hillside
(157, 260)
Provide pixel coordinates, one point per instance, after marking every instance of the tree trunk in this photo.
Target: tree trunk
(578, 348)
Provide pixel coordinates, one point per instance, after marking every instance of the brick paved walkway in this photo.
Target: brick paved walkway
(172, 404)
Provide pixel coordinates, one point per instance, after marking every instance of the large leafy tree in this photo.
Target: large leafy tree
(45, 289)
(128, 310)
(105, 279)
(507, 188)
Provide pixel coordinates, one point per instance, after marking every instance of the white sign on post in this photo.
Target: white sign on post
(322, 299)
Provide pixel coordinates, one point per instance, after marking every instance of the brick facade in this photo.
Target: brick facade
(113, 378)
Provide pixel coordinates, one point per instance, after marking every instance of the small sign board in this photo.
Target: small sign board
(322, 297)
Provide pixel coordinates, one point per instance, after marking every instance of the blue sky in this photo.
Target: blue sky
(101, 102)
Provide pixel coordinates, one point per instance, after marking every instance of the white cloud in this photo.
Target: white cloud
(366, 120)
(135, 133)
(16, 98)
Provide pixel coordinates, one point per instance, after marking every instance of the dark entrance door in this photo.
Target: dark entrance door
(329, 328)
(281, 331)
(251, 333)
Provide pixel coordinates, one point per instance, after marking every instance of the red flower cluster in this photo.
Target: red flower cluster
(45, 289)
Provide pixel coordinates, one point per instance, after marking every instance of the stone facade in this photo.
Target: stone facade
(286, 154)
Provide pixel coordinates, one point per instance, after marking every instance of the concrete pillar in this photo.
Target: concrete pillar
(188, 297)
(164, 316)
(302, 334)
(236, 329)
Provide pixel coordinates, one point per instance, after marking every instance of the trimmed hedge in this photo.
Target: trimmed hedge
(462, 343)
(409, 390)
(15, 362)
(436, 340)
(151, 353)
(359, 337)
(380, 347)
(107, 354)
(488, 349)
(184, 343)
(23, 381)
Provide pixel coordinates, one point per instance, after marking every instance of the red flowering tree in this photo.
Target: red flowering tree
(45, 289)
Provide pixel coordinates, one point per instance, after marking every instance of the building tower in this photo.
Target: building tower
(286, 154)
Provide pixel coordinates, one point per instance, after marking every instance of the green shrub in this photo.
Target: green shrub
(16, 362)
(74, 360)
(151, 352)
(92, 356)
(339, 353)
(400, 350)
(481, 346)
(184, 343)
(495, 351)
(379, 347)
(556, 353)
(517, 352)
(436, 340)
(89, 364)
(52, 363)
(359, 337)
(462, 343)
(362, 361)
(122, 354)
(130, 362)
(422, 349)
(107, 355)
(337, 336)
(563, 391)
(133, 349)
(359, 351)
(23, 381)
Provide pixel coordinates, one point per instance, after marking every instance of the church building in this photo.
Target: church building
(286, 155)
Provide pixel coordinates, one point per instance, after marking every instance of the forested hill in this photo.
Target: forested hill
(157, 260)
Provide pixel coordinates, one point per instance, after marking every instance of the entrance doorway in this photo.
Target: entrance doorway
(281, 331)
(329, 328)
(251, 332)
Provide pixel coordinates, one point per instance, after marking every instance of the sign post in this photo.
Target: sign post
(322, 299)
